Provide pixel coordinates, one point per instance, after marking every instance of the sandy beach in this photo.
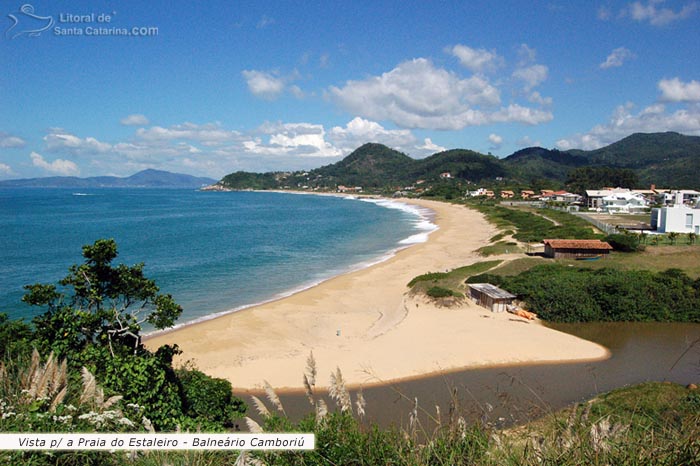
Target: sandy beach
(366, 324)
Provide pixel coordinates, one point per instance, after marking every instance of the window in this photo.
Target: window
(689, 220)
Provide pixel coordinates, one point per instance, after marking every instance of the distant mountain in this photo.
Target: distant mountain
(144, 179)
(664, 159)
(376, 166)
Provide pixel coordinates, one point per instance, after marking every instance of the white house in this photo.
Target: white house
(678, 218)
(690, 196)
(624, 202)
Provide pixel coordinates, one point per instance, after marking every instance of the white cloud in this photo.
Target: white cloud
(300, 139)
(135, 119)
(210, 134)
(495, 140)
(476, 60)
(656, 15)
(536, 98)
(526, 55)
(6, 169)
(416, 94)
(429, 147)
(617, 57)
(8, 141)
(59, 140)
(359, 131)
(264, 85)
(532, 75)
(675, 90)
(623, 122)
(58, 166)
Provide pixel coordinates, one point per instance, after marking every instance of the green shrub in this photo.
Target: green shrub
(623, 243)
(439, 292)
(208, 400)
(568, 294)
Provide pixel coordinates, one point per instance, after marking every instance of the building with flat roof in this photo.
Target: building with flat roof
(490, 296)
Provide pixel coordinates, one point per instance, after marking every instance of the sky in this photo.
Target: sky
(93, 88)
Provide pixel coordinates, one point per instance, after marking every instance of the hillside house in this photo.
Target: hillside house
(575, 248)
(490, 296)
(507, 194)
(446, 175)
(527, 194)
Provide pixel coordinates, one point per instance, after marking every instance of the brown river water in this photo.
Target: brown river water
(508, 395)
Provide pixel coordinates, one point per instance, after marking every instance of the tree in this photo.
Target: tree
(100, 304)
(672, 237)
(93, 318)
(692, 237)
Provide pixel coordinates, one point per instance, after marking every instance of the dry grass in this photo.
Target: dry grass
(46, 381)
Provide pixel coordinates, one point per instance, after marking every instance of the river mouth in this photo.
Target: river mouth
(508, 395)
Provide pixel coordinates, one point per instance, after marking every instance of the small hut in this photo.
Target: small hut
(575, 248)
(490, 296)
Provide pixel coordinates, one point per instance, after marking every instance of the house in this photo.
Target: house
(527, 194)
(564, 196)
(669, 197)
(481, 192)
(446, 175)
(575, 248)
(507, 194)
(626, 202)
(617, 200)
(490, 296)
(677, 218)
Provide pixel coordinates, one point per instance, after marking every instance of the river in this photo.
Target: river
(508, 395)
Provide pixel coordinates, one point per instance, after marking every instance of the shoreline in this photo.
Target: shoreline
(365, 323)
(425, 215)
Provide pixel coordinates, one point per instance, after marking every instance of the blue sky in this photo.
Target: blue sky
(260, 86)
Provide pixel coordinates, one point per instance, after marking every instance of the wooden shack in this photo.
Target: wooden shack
(490, 296)
(576, 248)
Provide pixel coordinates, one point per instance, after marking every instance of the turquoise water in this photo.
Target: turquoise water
(214, 252)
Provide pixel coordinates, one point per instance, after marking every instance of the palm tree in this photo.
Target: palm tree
(672, 237)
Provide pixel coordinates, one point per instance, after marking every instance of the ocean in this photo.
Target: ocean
(214, 252)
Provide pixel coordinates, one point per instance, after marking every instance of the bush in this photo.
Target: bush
(623, 243)
(208, 400)
(568, 294)
(439, 292)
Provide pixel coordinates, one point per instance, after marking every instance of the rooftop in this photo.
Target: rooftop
(491, 290)
(577, 244)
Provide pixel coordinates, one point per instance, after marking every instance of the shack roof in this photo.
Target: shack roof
(491, 290)
(577, 244)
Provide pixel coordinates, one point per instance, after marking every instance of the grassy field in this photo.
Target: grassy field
(659, 254)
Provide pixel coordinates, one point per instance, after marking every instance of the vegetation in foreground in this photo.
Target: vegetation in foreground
(96, 375)
(81, 365)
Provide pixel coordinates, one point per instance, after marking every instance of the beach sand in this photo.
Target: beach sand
(366, 324)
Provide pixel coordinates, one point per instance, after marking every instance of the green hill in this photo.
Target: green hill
(663, 159)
